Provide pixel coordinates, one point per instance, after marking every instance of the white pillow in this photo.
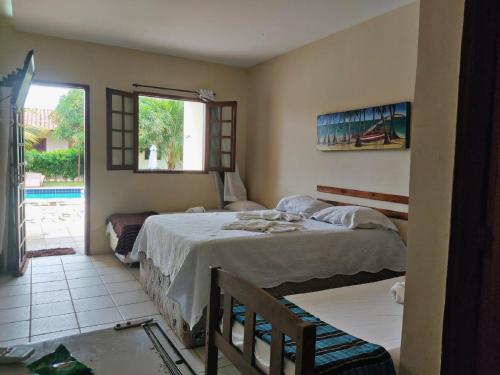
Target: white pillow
(304, 205)
(244, 206)
(354, 217)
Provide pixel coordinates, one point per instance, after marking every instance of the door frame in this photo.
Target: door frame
(471, 297)
(86, 89)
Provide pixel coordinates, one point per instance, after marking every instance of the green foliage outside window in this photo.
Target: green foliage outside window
(161, 123)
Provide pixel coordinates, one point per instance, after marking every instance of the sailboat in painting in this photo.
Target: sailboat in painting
(380, 127)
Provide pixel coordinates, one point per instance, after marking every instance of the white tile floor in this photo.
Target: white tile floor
(72, 294)
(60, 296)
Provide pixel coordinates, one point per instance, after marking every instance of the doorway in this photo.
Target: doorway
(55, 121)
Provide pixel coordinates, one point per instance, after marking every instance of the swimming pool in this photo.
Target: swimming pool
(55, 193)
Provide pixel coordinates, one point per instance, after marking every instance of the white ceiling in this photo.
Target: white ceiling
(234, 32)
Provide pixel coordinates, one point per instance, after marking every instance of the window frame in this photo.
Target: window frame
(109, 128)
(234, 113)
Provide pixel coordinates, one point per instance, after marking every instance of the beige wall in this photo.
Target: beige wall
(103, 66)
(368, 64)
(431, 183)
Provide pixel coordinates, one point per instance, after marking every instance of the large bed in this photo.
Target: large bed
(175, 260)
(355, 329)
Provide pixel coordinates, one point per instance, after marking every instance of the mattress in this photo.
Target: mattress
(184, 246)
(367, 311)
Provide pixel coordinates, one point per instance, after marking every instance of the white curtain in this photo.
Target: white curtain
(5, 124)
(234, 189)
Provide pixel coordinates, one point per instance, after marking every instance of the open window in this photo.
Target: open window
(121, 129)
(171, 134)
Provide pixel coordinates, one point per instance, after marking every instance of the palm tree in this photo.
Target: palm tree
(161, 123)
(33, 135)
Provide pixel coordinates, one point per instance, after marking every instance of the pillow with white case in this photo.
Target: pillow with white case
(353, 217)
(303, 205)
(244, 206)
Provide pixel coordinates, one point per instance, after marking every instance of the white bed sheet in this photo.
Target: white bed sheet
(366, 311)
(184, 246)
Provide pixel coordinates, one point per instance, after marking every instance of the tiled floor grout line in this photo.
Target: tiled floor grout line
(31, 298)
(110, 294)
(71, 298)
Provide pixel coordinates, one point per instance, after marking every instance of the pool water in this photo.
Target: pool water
(55, 193)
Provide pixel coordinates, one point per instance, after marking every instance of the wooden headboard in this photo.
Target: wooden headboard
(393, 198)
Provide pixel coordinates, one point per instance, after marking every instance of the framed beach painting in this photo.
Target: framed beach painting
(380, 127)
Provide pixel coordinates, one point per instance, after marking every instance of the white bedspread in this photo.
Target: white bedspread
(184, 246)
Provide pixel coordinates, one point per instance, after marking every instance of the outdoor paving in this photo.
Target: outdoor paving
(55, 223)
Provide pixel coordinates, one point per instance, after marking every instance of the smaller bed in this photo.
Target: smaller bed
(355, 329)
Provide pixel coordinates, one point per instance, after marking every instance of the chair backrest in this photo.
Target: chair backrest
(256, 301)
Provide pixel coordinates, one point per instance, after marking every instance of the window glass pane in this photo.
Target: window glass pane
(226, 129)
(129, 157)
(116, 102)
(171, 134)
(129, 140)
(215, 113)
(116, 121)
(129, 104)
(214, 129)
(129, 122)
(215, 152)
(116, 157)
(227, 113)
(116, 139)
(226, 144)
(226, 160)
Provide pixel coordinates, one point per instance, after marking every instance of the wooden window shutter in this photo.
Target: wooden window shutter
(121, 119)
(220, 139)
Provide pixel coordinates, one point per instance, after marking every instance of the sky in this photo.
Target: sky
(45, 97)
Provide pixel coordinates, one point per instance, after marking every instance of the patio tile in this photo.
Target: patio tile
(89, 291)
(44, 277)
(96, 317)
(78, 266)
(117, 277)
(93, 303)
(45, 261)
(81, 273)
(14, 301)
(126, 286)
(54, 335)
(99, 327)
(51, 309)
(127, 298)
(14, 290)
(14, 315)
(47, 269)
(83, 282)
(16, 330)
(67, 259)
(111, 270)
(12, 280)
(50, 297)
(138, 310)
(22, 341)
(53, 324)
(49, 286)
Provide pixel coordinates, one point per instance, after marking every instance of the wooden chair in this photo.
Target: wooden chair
(256, 301)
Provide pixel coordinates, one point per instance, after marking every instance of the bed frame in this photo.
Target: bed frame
(256, 300)
(392, 198)
(154, 282)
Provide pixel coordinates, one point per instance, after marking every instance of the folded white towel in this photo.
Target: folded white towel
(398, 292)
(272, 215)
(260, 225)
(195, 210)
